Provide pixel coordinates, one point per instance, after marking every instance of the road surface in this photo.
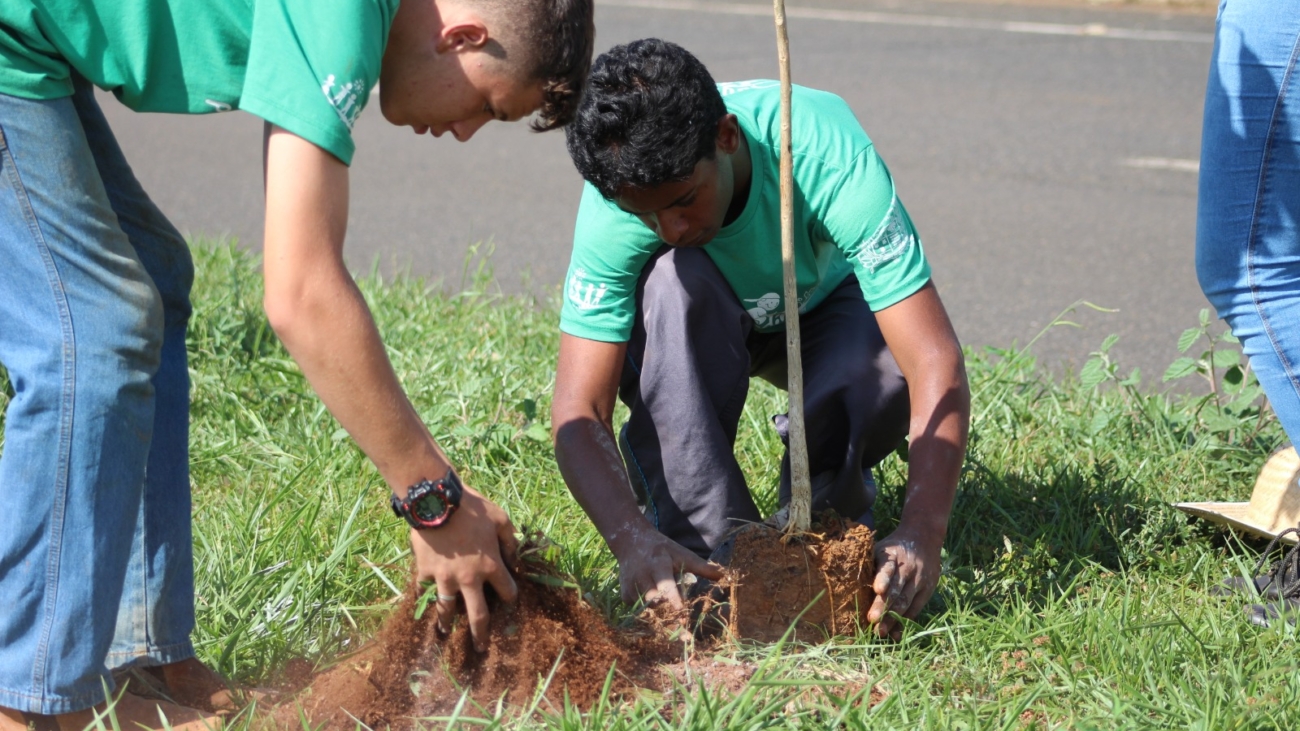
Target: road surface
(1047, 154)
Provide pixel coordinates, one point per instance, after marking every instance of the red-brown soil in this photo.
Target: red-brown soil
(411, 671)
(825, 574)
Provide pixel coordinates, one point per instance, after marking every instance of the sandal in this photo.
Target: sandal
(1281, 585)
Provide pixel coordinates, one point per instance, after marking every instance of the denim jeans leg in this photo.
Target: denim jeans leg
(1248, 211)
(157, 610)
(81, 326)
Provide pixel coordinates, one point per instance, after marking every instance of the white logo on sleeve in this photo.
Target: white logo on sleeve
(767, 310)
(217, 106)
(727, 88)
(585, 295)
(346, 99)
(892, 237)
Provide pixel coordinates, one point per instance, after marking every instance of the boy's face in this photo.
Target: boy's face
(691, 212)
(459, 102)
(443, 71)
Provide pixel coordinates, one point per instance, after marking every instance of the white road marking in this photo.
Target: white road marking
(1092, 30)
(1163, 163)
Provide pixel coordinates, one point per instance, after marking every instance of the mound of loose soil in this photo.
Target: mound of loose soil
(772, 579)
(411, 671)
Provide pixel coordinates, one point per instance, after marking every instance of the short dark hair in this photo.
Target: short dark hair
(560, 35)
(650, 113)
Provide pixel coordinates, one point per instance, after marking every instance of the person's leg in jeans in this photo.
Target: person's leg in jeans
(1248, 212)
(685, 382)
(856, 404)
(156, 614)
(81, 326)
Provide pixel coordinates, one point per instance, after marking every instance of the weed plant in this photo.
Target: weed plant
(1072, 595)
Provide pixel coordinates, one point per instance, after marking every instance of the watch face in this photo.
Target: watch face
(428, 507)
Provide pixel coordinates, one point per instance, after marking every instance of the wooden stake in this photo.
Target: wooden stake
(800, 483)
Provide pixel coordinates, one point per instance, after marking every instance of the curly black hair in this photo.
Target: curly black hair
(649, 114)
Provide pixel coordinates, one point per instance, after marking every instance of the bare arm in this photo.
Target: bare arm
(921, 338)
(582, 412)
(319, 314)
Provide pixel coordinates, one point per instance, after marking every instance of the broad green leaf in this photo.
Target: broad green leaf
(1244, 401)
(1220, 423)
(1180, 368)
(1093, 373)
(1100, 421)
(1109, 342)
(538, 432)
(1234, 376)
(1188, 338)
(527, 407)
(1226, 358)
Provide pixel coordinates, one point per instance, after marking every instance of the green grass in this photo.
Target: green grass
(1072, 595)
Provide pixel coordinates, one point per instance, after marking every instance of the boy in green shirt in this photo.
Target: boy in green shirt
(674, 300)
(94, 299)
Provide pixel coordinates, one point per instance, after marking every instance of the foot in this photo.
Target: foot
(130, 711)
(191, 683)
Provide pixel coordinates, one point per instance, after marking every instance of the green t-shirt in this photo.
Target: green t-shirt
(305, 65)
(847, 220)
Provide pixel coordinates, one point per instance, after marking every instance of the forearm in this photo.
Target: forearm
(937, 450)
(648, 561)
(592, 468)
(320, 316)
(329, 331)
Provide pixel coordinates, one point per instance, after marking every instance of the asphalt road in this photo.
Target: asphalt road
(1047, 154)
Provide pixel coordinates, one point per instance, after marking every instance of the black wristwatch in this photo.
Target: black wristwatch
(429, 504)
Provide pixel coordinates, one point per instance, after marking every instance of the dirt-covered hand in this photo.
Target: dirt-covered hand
(649, 564)
(471, 548)
(908, 567)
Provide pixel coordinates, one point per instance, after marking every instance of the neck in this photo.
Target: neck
(743, 172)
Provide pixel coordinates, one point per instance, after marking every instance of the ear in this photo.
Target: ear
(465, 36)
(728, 134)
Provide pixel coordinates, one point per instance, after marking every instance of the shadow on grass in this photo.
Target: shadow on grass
(1030, 537)
(1034, 535)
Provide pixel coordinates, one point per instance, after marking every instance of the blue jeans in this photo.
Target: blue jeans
(1248, 213)
(96, 567)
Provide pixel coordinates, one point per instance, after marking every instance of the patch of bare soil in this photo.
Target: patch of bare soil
(411, 671)
(820, 581)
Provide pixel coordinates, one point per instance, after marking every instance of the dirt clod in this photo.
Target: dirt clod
(825, 574)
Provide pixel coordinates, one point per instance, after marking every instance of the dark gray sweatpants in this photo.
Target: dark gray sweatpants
(692, 352)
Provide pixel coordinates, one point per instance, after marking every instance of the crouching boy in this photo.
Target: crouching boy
(673, 301)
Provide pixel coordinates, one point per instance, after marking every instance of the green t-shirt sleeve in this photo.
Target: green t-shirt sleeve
(311, 66)
(610, 248)
(869, 224)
